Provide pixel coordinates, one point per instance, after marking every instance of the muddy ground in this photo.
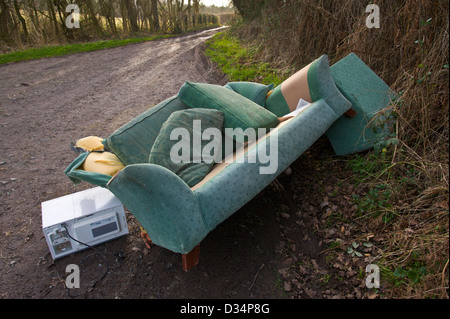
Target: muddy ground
(282, 244)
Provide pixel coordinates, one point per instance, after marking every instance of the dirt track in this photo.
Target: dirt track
(48, 103)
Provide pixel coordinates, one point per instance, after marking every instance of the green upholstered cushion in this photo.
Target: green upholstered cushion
(239, 111)
(276, 103)
(179, 145)
(255, 92)
(133, 141)
(322, 86)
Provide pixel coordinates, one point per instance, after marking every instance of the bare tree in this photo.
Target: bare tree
(155, 16)
(108, 11)
(21, 19)
(132, 15)
(42, 21)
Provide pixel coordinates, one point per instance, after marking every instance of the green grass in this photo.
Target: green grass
(52, 51)
(236, 60)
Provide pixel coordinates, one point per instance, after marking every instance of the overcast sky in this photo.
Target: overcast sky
(219, 3)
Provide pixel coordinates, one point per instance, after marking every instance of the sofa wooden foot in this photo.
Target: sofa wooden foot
(350, 113)
(191, 258)
(147, 241)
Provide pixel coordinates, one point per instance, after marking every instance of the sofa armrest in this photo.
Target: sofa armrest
(370, 97)
(236, 183)
(162, 203)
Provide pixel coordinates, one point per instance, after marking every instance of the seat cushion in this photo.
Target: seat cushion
(238, 111)
(186, 147)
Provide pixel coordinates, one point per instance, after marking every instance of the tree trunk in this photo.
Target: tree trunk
(5, 22)
(123, 13)
(21, 19)
(93, 15)
(132, 15)
(108, 11)
(53, 22)
(155, 16)
(189, 14)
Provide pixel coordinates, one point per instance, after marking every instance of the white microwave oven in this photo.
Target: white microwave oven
(74, 222)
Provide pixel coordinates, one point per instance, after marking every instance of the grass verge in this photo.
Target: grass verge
(59, 50)
(237, 61)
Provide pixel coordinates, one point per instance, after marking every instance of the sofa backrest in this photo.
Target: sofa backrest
(133, 141)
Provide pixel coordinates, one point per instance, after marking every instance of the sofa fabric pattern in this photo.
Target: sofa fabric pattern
(255, 92)
(193, 167)
(133, 141)
(239, 112)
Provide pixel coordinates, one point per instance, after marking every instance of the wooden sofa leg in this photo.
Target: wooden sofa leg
(350, 113)
(191, 258)
(148, 242)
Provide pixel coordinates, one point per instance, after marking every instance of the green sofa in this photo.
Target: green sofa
(179, 216)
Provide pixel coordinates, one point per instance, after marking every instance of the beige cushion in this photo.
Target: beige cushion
(103, 163)
(90, 143)
(296, 87)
